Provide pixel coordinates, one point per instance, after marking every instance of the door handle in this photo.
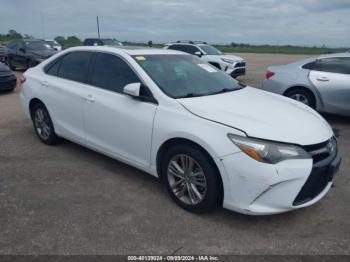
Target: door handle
(90, 99)
(323, 79)
(45, 83)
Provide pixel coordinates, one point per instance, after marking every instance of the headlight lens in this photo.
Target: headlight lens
(266, 151)
(227, 60)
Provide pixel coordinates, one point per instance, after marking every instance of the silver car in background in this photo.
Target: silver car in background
(323, 83)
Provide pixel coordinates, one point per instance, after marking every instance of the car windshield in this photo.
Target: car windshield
(181, 76)
(111, 42)
(38, 45)
(210, 50)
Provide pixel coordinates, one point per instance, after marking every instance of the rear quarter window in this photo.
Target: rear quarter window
(52, 68)
(309, 66)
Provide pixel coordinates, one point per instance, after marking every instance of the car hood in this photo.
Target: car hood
(262, 115)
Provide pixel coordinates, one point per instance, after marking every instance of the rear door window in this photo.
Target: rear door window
(75, 66)
(340, 65)
(192, 49)
(182, 48)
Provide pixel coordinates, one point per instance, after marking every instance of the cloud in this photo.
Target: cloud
(308, 22)
(326, 6)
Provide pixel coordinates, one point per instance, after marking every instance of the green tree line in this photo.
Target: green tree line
(13, 34)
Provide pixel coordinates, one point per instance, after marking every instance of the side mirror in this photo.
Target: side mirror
(198, 53)
(140, 92)
(132, 89)
(22, 50)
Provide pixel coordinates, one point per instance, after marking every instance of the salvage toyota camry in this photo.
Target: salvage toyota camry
(212, 140)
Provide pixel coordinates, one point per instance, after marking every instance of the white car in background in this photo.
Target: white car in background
(210, 139)
(232, 65)
(53, 44)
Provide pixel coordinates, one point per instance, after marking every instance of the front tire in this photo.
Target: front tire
(43, 126)
(191, 178)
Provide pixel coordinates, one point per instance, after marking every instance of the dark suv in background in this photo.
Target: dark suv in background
(27, 53)
(3, 53)
(102, 41)
(8, 79)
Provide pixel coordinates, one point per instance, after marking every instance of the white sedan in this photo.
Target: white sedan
(210, 139)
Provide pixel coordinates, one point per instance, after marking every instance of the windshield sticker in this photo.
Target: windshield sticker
(208, 68)
(140, 58)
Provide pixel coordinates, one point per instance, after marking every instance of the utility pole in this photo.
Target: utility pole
(98, 27)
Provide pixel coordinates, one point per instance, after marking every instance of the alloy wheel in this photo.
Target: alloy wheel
(301, 98)
(42, 125)
(187, 179)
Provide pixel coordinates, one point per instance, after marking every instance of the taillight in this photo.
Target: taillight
(22, 79)
(269, 74)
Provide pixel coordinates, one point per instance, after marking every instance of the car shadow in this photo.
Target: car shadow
(6, 92)
(155, 186)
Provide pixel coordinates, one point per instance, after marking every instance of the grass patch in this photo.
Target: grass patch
(292, 50)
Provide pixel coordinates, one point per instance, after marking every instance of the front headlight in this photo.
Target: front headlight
(266, 151)
(227, 60)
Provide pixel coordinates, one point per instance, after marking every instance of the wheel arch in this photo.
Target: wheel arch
(32, 103)
(180, 140)
(314, 93)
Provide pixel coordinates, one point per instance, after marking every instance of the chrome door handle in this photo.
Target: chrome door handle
(323, 79)
(90, 98)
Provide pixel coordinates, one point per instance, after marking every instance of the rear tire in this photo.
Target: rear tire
(190, 178)
(43, 125)
(302, 95)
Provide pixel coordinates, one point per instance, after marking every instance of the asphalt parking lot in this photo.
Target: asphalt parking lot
(69, 200)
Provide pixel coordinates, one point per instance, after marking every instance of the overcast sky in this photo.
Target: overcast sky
(299, 22)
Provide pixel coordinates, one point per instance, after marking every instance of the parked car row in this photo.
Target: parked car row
(27, 53)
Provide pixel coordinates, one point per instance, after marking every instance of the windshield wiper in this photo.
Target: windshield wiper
(189, 95)
(224, 90)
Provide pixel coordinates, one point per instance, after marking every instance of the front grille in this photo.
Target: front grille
(6, 73)
(321, 151)
(240, 64)
(7, 78)
(326, 162)
(2, 50)
(239, 71)
(8, 85)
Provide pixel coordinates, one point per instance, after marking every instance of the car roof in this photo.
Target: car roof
(32, 40)
(334, 55)
(187, 43)
(99, 38)
(130, 50)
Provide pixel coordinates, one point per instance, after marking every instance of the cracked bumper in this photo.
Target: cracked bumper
(255, 188)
